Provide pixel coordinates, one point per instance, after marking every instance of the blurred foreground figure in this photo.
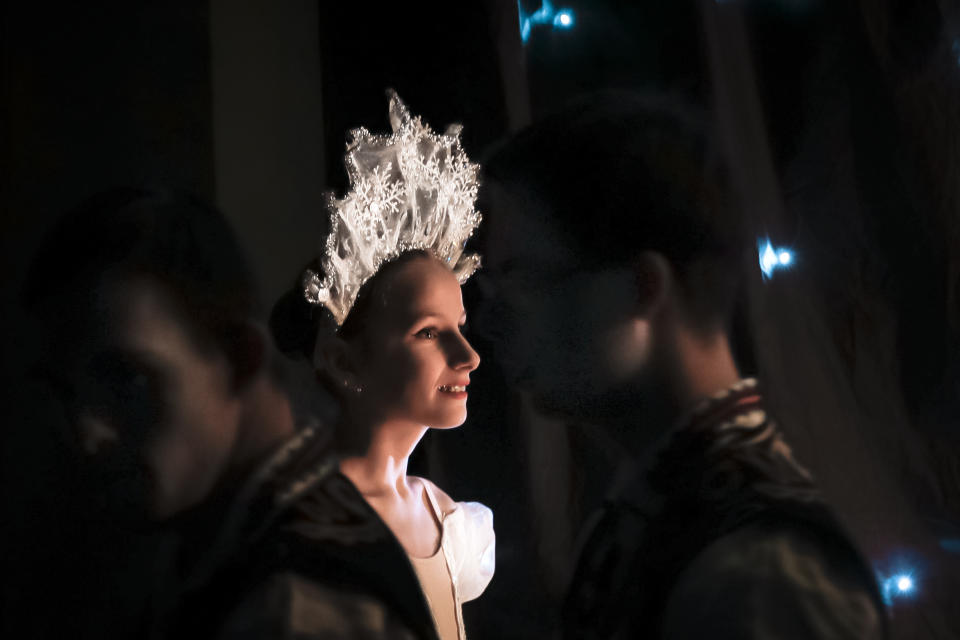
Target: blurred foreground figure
(614, 262)
(176, 404)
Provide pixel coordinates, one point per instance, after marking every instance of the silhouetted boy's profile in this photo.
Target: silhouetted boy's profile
(613, 261)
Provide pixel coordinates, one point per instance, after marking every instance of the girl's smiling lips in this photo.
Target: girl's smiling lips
(458, 390)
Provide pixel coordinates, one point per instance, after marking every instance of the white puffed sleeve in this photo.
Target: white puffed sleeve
(470, 547)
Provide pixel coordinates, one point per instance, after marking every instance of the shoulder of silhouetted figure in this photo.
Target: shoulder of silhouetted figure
(759, 582)
(306, 557)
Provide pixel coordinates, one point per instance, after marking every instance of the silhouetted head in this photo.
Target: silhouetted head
(609, 228)
(147, 303)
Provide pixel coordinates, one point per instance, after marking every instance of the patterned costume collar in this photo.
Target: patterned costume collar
(728, 430)
(740, 398)
(725, 465)
(298, 465)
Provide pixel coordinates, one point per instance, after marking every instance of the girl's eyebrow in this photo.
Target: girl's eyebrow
(417, 317)
(428, 315)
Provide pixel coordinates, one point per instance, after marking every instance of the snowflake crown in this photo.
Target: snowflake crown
(410, 190)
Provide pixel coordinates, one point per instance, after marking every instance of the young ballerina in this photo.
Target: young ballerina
(384, 331)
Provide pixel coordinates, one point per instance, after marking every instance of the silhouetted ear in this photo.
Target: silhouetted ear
(249, 349)
(654, 282)
(333, 358)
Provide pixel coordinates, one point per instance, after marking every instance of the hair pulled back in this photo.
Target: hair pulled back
(297, 325)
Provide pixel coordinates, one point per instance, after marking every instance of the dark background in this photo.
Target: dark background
(841, 119)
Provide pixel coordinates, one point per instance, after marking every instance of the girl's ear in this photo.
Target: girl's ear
(333, 356)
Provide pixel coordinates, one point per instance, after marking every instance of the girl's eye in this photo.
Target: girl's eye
(427, 334)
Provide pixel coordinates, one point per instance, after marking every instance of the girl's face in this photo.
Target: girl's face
(412, 361)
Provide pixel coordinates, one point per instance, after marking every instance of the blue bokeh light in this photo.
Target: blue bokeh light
(950, 544)
(546, 14)
(772, 258)
(900, 576)
(898, 586)
(563, 19)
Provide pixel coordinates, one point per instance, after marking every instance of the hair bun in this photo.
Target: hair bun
(294, 323)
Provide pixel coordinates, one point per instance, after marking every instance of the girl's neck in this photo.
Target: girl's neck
(382, 471)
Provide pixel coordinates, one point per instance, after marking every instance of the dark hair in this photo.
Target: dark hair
(622, 173)
(296, 324)
(184, 245)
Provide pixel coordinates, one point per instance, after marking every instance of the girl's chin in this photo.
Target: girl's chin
(452, 422)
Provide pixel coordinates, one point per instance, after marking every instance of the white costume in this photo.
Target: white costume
(463, 565)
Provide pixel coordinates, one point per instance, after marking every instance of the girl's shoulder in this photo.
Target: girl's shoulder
(472, 520)
(444, 502)
(469, 541)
